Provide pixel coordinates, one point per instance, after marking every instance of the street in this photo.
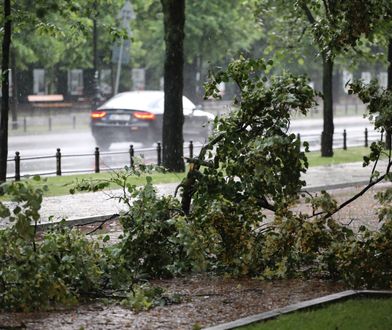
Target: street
(77, 148)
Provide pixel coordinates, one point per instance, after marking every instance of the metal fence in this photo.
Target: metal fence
(96, 160)
(344, 139)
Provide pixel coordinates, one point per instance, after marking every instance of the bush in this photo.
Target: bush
(152, 244)
(159, 240)
(63, 266)
(35, 274)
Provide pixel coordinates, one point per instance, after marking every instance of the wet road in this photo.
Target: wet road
(77, 148)
(38, 153)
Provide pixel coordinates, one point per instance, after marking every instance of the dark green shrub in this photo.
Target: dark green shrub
(158, 239)
(63, 266)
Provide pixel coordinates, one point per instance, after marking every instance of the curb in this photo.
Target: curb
(298, 307)
(78, 221)
(100, 218)
(336, 186)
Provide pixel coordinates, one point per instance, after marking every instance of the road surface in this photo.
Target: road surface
(77, 148)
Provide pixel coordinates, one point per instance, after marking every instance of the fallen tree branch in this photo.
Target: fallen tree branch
(101, 223)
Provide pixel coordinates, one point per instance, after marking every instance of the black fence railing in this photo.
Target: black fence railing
(341, 139)
(97, 157)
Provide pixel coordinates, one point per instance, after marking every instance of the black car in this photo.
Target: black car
(137, 117)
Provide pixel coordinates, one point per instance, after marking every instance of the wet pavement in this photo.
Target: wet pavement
(85, 206)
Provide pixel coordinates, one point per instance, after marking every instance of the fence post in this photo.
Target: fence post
(96, 160)
(159, 154)
(17, 166)
(191, 149)
(24, 124)
(74, 122)
(131, 155)
(50, 123)
(58, 162)
(344, 140)
(366, 138)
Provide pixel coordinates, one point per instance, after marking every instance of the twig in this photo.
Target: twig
(371, 184)
(308, 13)
(101, 223)
(104, 295)
(350, 222)
(314, 214)
(307, 193)
(327, 9)
(374, 168)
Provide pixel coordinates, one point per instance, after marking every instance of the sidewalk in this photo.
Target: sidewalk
(87, 206)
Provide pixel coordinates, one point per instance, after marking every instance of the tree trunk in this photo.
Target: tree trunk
(173, 117)
(389, 87)
(5, 90)
(14, 99)
(328, 127)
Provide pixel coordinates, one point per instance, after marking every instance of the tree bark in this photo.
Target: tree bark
(5, 90)
(328, 126)
(388, 138)
(14, 99)
(173, 117)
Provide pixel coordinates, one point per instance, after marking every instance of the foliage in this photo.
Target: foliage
(158, 240)
(229, 233)
(55, 35)
(245, 175)
(242, 219)
(299, 246)
(255, 157)
(145, 297)
(151, 246)
(333, 29)
(378, 101)
(57, 269)
(364, 261)
(361, 259)
(248, 170)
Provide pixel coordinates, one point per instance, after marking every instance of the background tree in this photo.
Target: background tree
(173, 117)
(7, 28)
(53, 26)
(333, 28)
(216, 31)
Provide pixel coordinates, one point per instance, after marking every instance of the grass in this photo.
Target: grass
(340, 156)
(359, 314)
(60, 185)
